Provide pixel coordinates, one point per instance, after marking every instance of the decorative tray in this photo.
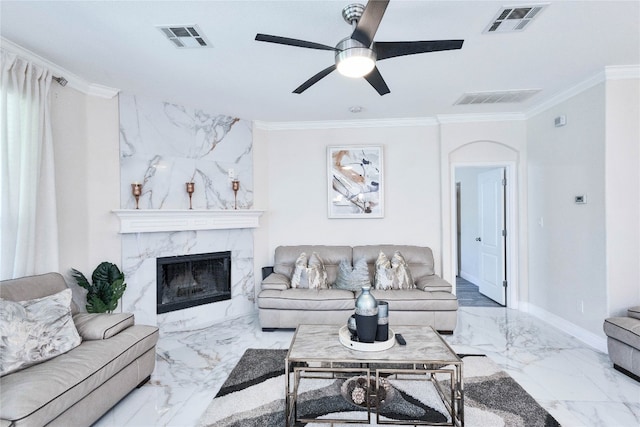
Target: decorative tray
(345, 340)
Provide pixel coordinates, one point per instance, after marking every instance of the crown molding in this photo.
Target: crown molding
(622, 72)
(74, 81)
(346, 124)
(612, 72)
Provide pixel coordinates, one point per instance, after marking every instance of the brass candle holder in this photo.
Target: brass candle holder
(136, 190)
(235, 186)
(191, 187)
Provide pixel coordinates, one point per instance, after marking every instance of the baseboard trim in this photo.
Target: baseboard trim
(589, 338)
(469, 277)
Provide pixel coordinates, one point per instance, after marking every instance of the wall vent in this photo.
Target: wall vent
(496, 97)
(512, 19)
(184, 36)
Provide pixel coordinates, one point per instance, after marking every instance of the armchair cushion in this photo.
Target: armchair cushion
(100, 326)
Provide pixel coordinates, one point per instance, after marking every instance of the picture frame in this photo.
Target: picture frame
(355, 181)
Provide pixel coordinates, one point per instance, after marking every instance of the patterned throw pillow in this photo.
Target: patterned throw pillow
(383, 277)
(402, 278)
(394, 274)
(352, 279)
(300, 268)
(36, 330)
(309, 272)
(317, 273)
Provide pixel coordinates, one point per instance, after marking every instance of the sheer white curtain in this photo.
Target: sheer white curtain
(29, 238)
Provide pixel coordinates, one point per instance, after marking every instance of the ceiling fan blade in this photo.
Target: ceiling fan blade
(292, 42)
(386, 50)
(315, 79)
(369, 21)
(375, 79)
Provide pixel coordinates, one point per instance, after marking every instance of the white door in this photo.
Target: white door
(492, 237)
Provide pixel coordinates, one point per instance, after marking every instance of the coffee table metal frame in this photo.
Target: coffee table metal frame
(316, 353)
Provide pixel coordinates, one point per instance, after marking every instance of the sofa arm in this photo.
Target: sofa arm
(100, 326)
(276, 281)
(433, 283)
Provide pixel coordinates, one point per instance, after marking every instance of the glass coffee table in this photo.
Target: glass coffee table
(317, 353)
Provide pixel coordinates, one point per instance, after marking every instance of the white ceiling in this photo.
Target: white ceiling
(117, 44)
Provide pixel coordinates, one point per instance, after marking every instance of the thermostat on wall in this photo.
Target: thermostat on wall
(560, 121)
(581, 199)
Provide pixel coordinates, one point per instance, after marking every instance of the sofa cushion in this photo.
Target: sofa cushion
(634, 312)
(35, 330)
(383, 275)
(352, 279)
(624, 329)
(44, 391)
(416, 300)
(392, 274)
(419, 258)
(402, 277)
(100, 326)
(309, 272)
(285, 258)
(307, 299)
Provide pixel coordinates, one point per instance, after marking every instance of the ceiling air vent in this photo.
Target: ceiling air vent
(511, 19)
(498, 97)
(185, 36)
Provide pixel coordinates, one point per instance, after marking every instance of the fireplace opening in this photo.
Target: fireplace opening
(191, 280)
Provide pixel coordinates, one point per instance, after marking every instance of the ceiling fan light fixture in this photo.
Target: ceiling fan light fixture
(354, 59)
(355, 62)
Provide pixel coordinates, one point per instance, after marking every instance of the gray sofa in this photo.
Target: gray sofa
(280, 306)
(79, 386)
(623, 342)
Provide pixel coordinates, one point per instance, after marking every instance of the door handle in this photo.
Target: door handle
(478, 239)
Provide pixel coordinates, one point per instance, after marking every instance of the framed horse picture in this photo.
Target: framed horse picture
(355, 182)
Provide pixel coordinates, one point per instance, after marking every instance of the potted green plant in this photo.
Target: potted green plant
(106, 288)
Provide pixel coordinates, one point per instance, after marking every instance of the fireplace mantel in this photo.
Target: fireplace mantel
(159, 220)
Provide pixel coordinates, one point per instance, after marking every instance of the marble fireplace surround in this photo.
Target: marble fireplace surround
(148, 234)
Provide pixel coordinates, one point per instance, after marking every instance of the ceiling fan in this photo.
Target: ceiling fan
(356, 55)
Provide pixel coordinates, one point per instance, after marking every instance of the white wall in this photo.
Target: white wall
(295, 177)
(85, 135)
(622, 187)
(567, 268)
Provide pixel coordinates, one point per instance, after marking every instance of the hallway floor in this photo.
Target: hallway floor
(469, 295)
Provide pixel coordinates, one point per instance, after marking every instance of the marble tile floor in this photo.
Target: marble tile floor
(573, 381)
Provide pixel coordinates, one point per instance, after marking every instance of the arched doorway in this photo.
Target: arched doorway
(496, 256)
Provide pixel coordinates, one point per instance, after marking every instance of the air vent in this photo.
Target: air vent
(498, 97)
(512, 19)
(185, 36)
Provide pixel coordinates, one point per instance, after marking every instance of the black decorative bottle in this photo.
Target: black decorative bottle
(366, 316)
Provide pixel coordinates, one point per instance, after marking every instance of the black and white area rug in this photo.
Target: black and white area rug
(253, 396)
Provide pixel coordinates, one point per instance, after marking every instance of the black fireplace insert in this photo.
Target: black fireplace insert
(190, 280)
